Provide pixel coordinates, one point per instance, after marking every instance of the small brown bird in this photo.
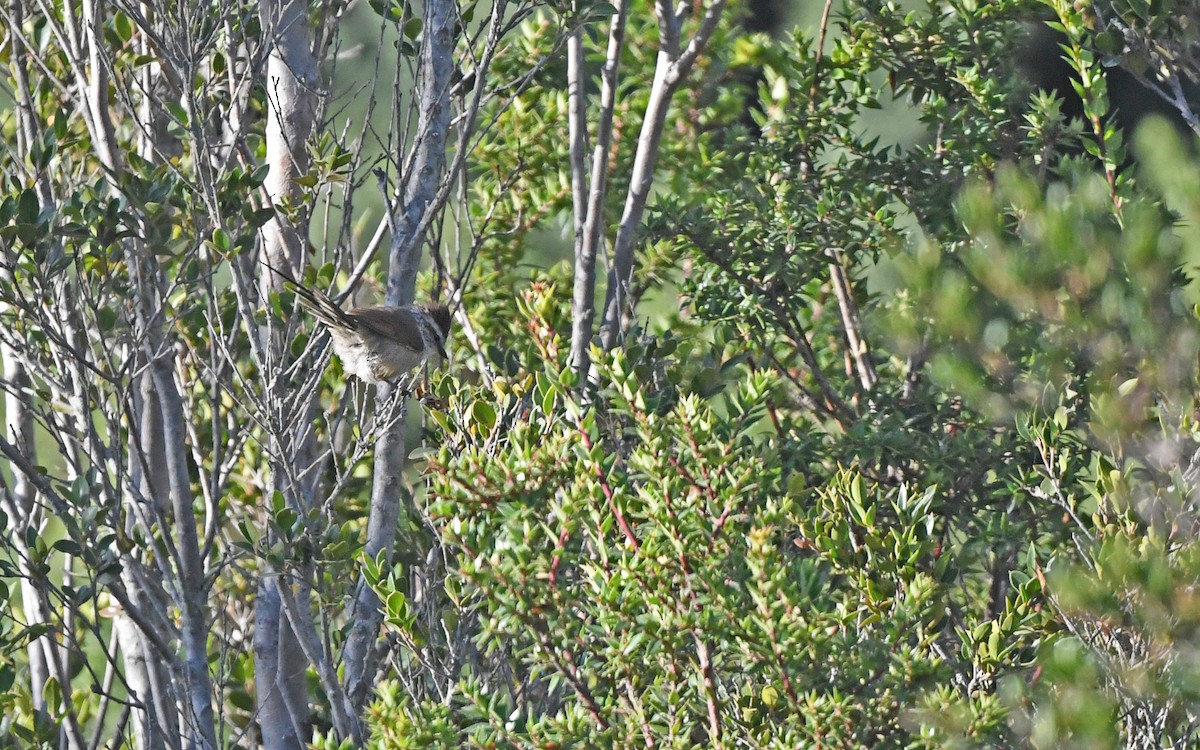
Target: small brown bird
(380, 343)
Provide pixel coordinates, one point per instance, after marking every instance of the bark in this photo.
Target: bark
(345, 721)
(45, 658)
(620, 275)
(293, 83)
(93, 81)
(24, 513)
(154, 715)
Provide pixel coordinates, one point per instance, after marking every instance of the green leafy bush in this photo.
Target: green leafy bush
(895, 476)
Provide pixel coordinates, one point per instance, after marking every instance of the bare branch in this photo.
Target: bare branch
(860, 352)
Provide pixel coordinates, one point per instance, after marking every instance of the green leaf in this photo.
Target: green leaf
(68, 547)
(123, 25)
(484, 416)
(52, 695)
(258, 176)
(106, 319)
(221, 242)
(28, 207)
(179, 113)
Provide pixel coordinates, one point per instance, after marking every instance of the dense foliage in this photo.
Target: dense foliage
(900, 448)
(937, 524)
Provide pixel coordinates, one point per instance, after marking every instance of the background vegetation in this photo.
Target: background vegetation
(821, 437)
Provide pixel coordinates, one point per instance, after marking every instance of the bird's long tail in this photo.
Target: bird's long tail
(316, 301)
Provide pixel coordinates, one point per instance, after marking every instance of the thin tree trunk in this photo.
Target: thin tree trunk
(192, 575)
(24, 513)
(96, 84)
(587, 242)
(276, 686)
(154, 715)
(421, 195)
(293, 81)
(621, 275)
(860, 351)
(670, 69)
(292, 84)
(434, 78)
(46, 658)
(19, 423)
(155, 721)
(583, 303)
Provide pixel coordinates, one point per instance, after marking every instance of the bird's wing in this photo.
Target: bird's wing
(397, 324)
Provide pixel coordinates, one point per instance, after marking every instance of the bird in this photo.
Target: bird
(382, 342)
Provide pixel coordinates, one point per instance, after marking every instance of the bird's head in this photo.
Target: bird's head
(440, 315)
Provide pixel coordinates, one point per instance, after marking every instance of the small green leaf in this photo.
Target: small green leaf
(52, 695)
(124, 26)
(179, 113)
(28, 207)
(221, 242)
(483, 415)
(258, 176)
(106, 319)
